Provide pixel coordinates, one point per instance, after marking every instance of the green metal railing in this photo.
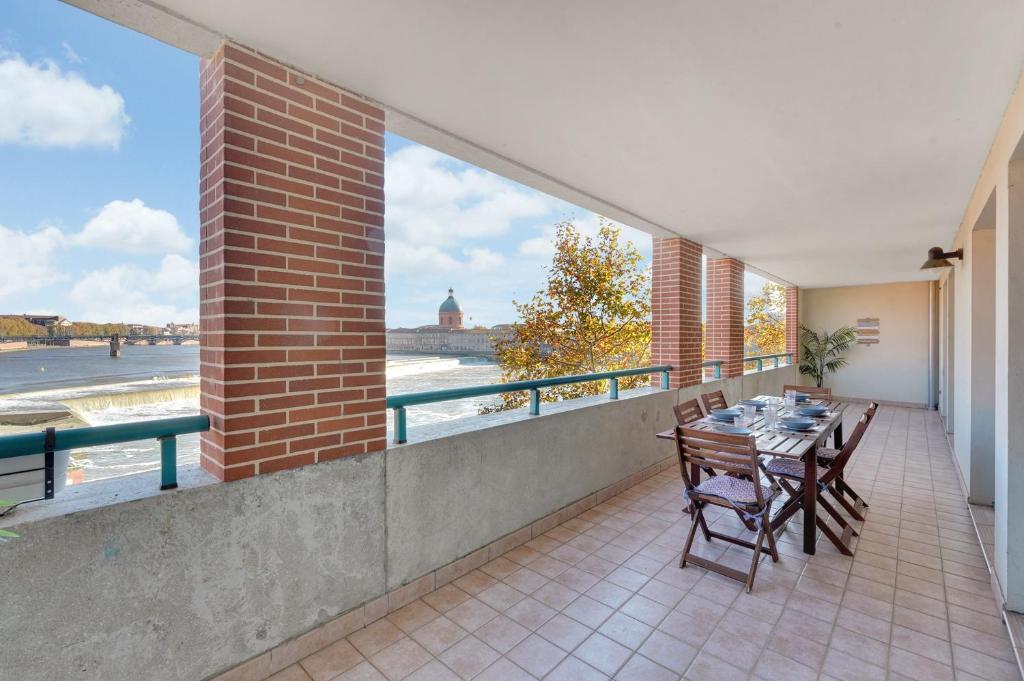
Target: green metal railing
(164, 430)
(757, 360)
(399, 402)
(715, 364)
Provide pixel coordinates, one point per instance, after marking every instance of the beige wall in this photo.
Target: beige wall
(894, 370)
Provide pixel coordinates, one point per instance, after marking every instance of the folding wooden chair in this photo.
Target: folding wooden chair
(687, 412)
(715, 400)
(793, 470)
(827, 456)
(740, 489)
(814, 392)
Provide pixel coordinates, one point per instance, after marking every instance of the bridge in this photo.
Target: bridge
(115, 340)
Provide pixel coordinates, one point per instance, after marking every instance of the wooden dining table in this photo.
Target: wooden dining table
(789, 444)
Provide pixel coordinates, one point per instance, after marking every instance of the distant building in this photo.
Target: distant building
(449, 315)
(55, 325)
(448, 336)
(189, 329)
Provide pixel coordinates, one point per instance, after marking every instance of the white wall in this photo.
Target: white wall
(973, 347)
(894, 370)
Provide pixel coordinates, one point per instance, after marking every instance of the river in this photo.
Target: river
(85, 386)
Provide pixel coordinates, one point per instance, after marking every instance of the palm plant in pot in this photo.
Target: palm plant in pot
(822, 353)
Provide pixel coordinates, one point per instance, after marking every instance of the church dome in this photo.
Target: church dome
(450, 304)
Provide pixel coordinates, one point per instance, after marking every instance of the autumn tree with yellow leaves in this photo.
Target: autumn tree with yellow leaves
(593, 315)
(765, 330)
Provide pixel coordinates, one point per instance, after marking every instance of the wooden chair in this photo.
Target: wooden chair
(793, 470)
(740, 489)
(827, 457)
(814, 392)
(687, 412)
(715, 400)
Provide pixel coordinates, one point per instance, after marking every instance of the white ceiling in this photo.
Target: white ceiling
(827, 142)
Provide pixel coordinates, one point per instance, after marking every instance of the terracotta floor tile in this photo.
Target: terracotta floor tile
(469, 657)
(401, 659)
(574, 669)
(327, 663)
(375, 637)
(603, 653)
(439, 635)
(536, 655)
(502, 633)
(446, 598)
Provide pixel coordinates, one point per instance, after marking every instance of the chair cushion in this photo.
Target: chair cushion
(827, 455)
(790, 468)
(736, 490)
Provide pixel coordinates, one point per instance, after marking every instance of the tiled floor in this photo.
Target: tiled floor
(601, 597)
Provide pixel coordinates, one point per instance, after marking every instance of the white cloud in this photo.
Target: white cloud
(70, 54)
(26, 259)
(436, 200)
(41, 105)
(484, 260)
(130, 294)
(133, 227)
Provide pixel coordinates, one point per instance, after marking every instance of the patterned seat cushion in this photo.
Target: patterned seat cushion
(790, 468)
(827, 455)
(736, 490)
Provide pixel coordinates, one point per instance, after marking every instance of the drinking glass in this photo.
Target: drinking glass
(771, 413)
(749, 412)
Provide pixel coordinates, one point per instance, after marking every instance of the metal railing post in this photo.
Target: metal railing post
(665, 380)
(534, 401)
(776, 358)
(613, 389)
(168, 462)
(400, 426)
(760, 364)
(718, 371)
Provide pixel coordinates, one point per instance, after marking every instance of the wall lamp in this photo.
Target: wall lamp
(938, 258)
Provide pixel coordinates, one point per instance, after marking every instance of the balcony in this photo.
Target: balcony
(826, 146)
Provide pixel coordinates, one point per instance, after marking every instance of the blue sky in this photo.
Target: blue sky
(99, 189)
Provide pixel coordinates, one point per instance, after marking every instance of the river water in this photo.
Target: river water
(161, 381)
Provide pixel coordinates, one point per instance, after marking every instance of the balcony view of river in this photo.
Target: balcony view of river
(69, 387)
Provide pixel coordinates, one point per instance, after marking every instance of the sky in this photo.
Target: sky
(99, 190)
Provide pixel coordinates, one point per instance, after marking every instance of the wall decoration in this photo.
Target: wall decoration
(867, 331)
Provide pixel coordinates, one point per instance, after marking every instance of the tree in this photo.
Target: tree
(594, 315)
(822, 353)
(765, 331)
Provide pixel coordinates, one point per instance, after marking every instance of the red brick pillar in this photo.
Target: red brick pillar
(675, 310)
(724, 330)
(292, 267)
(793, 322)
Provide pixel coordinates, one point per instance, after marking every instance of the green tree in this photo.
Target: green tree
(594, 315)
(765, 330)
(18, 326)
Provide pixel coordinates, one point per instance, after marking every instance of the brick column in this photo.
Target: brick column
(292, 267)
(793, 322)
(724, 326)
(675, 310)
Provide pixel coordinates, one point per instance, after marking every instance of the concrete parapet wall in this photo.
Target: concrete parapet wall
(450, 496)
(189, 583)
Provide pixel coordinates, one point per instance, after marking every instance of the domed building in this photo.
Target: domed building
(449, 315)
(448, 336)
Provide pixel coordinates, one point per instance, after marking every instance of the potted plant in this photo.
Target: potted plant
(822, 353)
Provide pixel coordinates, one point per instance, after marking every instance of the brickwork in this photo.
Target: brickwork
(675, 309)
(724, 325)
(793, 322)
(292, 267)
